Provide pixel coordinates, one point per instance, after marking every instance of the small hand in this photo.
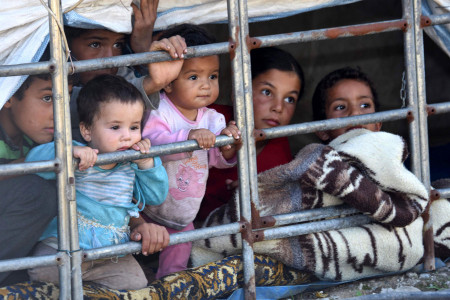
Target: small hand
(232, 130)
(144, 21)
(161, 74)
(204, 137)
(87, 156)
(144, 147)
(154, 237)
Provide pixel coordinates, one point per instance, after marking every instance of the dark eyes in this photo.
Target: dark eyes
(214, 76)
(193, 77)
(266, 92)
(290, 100)
(94, 45)
(47, 99)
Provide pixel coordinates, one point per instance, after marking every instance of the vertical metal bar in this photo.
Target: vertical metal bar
(59, 80)
(247, 203)
(236, 53)
(410, 62)
(428, 238)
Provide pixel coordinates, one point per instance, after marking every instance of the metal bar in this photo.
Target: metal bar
(445, 193)
(428, 236)
(247, 204)
(300, 229)
(439, 19)
(308, 215)
(111, 62)
(29, 168)
(332, 33)
(175, 238)
(410, 61)
(59, 87)
(302, 128)
(329, 124)
(440, 108)
(29, 262)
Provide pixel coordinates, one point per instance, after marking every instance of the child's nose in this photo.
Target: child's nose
(277, 105)
(126, 135)
(355, 110)
(108, 52)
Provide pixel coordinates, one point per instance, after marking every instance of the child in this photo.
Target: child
(28, 203)
(111, 112)
(277, 82)
(100, 43)
(182, 116)
(342, 93)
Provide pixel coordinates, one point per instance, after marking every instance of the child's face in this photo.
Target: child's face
(116, 127)
(33, 114)
(197, 85)
(346, 98)
(97, 43)
(275, 95)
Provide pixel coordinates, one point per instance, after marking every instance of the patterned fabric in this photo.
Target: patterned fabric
(215, 280)
(361, 168)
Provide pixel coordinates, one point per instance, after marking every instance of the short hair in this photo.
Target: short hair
(103, 89)
(321, 92)
(264, 59)
(29, 81)
(193, 35)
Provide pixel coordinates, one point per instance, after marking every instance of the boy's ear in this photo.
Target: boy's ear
(8, 103)
(85, 132)
(323, 135)
(168, 88)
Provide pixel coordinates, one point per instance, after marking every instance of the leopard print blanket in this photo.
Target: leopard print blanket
(360, 168)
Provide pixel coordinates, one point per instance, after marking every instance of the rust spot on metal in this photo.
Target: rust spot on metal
(434, 195)
(410, 117)
(51, 68)
(258, 236)
(425, 21)
(252, 43)
(232, 48)
(246, 231)
(256, 219)
(267, 221)
(358, 30)
(259, 135)
(431, 110)
(71, 180)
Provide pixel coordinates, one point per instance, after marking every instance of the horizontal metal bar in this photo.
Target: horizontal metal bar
(159, 150)
(439, 19)
(29, 262)
(27, 69)
(309, 127)
(29, 167)
(306, 228)
(440, 108)
(312, 214)
(331, 33)
(222, 140)
(111, 62)
(175, 238)
(445, 193)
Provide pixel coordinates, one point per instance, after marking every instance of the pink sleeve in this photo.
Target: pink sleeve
(218, 161)
(159, 133)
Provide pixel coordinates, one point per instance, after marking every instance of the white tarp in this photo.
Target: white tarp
(24, 23)
(440, 34)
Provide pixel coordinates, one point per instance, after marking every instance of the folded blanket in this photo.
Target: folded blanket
(361, 168)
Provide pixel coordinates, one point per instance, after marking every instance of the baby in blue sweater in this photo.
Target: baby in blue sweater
(111, 112)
